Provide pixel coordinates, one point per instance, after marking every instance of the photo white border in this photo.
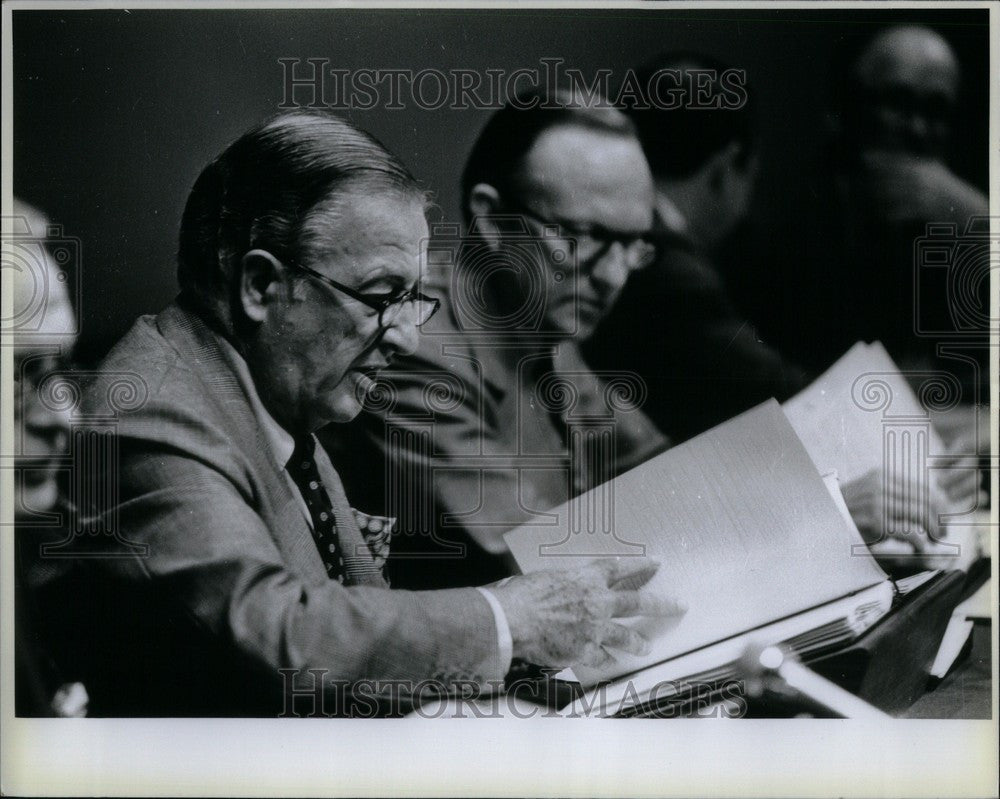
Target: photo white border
(542, 756)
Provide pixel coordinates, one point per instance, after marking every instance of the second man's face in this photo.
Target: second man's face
(594, 186)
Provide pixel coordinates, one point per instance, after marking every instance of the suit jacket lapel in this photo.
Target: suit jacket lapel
(278, 505)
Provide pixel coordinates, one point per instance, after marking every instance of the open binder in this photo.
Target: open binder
(748, 531)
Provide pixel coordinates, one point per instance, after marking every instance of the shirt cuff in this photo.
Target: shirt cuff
(504, 640)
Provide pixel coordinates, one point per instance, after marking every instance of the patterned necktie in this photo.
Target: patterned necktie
(302, 467)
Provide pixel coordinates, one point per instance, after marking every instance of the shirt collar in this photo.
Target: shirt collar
(280, 442)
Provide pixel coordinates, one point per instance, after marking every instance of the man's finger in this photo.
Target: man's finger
(629, 572)
(599, 658)
(625, 639)
(961, 484)
(905, 508)
(916, 536)
(645, 603)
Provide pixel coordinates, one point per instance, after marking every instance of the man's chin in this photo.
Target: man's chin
(585, 329)
(349, 398)
(580, 328)
(346, 409)
(578, 322)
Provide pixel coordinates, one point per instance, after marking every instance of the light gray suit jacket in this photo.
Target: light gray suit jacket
(231, 593)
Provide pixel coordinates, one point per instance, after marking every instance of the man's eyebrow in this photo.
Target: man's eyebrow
(585, 228)
(395, 281)
(607, 233)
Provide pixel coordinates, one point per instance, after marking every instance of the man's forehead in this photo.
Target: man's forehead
(38, 289)
(587, 169)
(909, 57)
(354, 228)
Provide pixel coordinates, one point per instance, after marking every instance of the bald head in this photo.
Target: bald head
(907, 82)
(909, 56)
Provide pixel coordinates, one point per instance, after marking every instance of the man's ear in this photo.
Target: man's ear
(723, 165)
(484, 204)
(260, 281)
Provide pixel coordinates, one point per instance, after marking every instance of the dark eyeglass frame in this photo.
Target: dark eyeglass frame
(605, 238)
(377, 302)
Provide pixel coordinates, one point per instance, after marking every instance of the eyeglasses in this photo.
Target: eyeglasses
(389, 306)
(592, 245)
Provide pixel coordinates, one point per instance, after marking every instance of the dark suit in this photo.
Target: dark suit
(232, 588)
(848, 250)
(676, 326)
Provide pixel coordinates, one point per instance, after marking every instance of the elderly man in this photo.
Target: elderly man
(236, 578)
(43, 332)
(496, 417)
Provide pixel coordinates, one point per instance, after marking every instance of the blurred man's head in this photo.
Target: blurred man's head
(577, 178)
(302, 242)
(702, 153)
(41, 344)
(902, 89)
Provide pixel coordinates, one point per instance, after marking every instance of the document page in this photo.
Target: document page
(861, 414)
(744, 528)
(860, 411)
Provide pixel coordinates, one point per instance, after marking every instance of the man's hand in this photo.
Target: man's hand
(566, 617)
(966, 433)
(959, 477)
(894, 509)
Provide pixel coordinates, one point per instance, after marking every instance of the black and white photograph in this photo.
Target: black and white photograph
(482, 399)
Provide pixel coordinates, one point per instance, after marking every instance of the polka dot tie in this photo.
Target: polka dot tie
(302, 468)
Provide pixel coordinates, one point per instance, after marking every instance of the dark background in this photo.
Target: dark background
(115, 112)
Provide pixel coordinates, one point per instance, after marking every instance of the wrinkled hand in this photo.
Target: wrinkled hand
(894, 510)
(566, 617)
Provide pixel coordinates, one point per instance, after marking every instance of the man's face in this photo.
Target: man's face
(594, 186)
(40, 427)
(911, 78)
(318, 350)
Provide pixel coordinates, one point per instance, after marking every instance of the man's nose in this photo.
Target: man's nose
(611, 271)
(919, 128)
(402, 336)
(44, 425)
